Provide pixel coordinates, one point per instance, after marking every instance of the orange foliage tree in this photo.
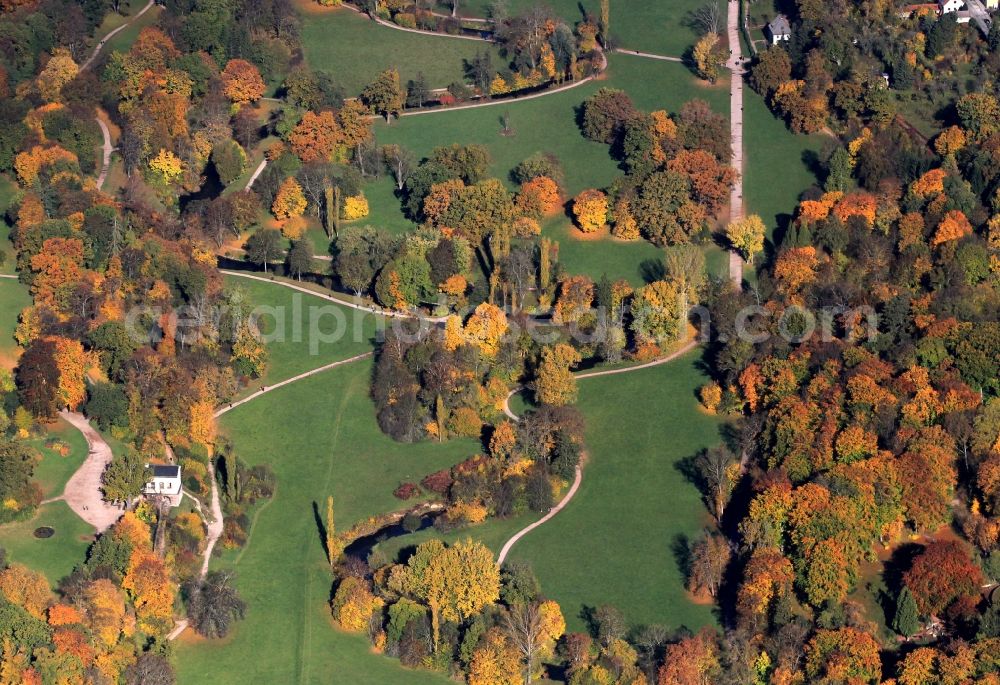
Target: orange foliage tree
(315, 137)
(148, 584)
(940, 574)
(538, 197)
(241, 81)
(954, 226)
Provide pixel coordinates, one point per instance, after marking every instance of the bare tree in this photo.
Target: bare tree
(400, 162)
(523, 625)
(707, 18)
(716, 468)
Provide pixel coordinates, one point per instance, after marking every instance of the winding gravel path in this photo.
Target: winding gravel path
(111, 34)
(578, 477)
(353, 305)
(83, 489)
(106, 161)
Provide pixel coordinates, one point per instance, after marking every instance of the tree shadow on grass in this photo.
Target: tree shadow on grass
(652, 270)
(320, 528)
(680, 547)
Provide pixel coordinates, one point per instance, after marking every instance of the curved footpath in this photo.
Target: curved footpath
(578, 478)
(353, 305)
(83, 489)
(111, 34)
(106, 152)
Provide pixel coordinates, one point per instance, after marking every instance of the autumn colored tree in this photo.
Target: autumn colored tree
(709, 558)
(353, 604)
(554, 383)
(574, 299)
(495, 661)
(105, 610)
(953, 226)
(486, 328)
(73, 363)
(27, 589)
(316, 136)
(657, 311)
(708, 55)
(58, 71)
(796, 268)
(843, 655)
(943, 572)
(149, 586)
(59, 269)
(590, 209)
(539, 197)
(289, 202)
(242, 82)
(747, 236)
(692, 660)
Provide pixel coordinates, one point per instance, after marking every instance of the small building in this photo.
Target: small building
(949, 6)
(166, 482)
(778, 29)
(919, 10)
(992, 4)
(963, 17)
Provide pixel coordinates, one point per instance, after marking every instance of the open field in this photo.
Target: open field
(55, 556)
(779, 164)
(618, 541)
(123, 40)
(355, 49)
(657, 26)
(292, 354)
(13, 298)
(54, 469)
(321, 438)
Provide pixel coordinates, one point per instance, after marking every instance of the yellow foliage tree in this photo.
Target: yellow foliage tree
(555, 384)
(167, 166)
(354, 604)
(496, 661)
(486, 328)
(590, 208)
(105, 610)
(60, 70)
(289, 201)
(151, 590)
(27, 589)
(355, 207)
(747, 236)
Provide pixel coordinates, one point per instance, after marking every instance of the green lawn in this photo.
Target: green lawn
(8, 191)
(657, 26)
(55, 556)
(320, 437)
(123, 40)
(779, 164)
(54, 470)
(355, 49)
(616, 542)
(293, 354)
(13, 298)
(548, 124)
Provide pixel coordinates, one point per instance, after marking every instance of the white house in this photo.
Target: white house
(992, 4)
(166, 482)
(948, 6)
(778, 29)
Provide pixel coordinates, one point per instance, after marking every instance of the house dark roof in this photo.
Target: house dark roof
(779, 26)
(166, 471)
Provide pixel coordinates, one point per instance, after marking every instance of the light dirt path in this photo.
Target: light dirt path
(353, 305)
(106, 161)
(217, 524)
(268, 388)
(578, 478)
(650, 55)
(391, 25)
(735, 66)
(83, 489)
(257, 172)
(14, 276)
(111, 34)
